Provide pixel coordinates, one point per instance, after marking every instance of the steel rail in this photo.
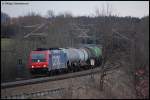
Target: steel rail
(34, 94)
(46, 79)
(59, 77)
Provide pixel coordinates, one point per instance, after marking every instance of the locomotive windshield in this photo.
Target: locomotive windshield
(38, 58)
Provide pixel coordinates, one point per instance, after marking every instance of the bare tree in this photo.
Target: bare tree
(106, 10)
(109, 10)
(65, 15)
(50, 13)
(68, 14)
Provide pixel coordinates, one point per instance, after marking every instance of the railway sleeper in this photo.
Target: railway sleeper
(35, 94)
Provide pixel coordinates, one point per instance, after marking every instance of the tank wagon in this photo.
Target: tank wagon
(64, 59)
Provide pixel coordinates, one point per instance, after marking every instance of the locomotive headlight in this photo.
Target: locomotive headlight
(44, 65)
(32, 66)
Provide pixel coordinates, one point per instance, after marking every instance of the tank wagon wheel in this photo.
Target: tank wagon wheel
(73, 67)
(78, 66)
(67, 70)
(97, 61)
(100, 61)
(69, 66)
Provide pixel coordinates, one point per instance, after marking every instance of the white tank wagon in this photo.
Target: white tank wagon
(83, 54)
(72, 55)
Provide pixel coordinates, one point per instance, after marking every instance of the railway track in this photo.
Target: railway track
(52, 78)
(35, 94)
(17, 84)
(55, 78)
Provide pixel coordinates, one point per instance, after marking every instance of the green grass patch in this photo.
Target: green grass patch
(6, 43)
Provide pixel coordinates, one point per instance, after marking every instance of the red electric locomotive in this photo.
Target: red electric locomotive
(38, 60)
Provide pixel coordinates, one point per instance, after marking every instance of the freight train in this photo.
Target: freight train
(65, 59)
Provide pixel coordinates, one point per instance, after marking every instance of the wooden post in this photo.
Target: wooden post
(102, 77)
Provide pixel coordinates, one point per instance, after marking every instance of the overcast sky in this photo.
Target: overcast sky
(123, 8)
